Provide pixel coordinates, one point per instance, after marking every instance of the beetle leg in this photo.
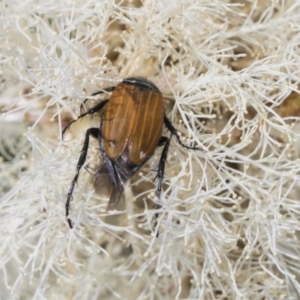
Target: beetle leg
(114, 175)
(118, 187)
(109, 89)
(103, 182)
(91, 111)
(111, 168)
(173, 131)
(96, 133)
(162, 141)
(114, 198)
(160, 174)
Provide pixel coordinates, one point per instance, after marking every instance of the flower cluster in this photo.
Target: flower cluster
(230, 218)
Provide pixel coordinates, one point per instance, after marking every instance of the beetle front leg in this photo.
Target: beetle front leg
(96, 133)
(160, 174)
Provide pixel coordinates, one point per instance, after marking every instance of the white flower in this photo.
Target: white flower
(230, 215)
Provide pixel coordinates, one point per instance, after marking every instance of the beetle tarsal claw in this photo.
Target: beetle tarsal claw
(130, 130)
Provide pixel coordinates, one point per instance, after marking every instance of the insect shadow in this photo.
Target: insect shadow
(130, 130)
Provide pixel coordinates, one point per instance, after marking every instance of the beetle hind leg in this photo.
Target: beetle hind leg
(104, 182)
(173, 131)
(160, 175)
(96, 133)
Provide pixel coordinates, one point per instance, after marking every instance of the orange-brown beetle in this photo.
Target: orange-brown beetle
(130, 131)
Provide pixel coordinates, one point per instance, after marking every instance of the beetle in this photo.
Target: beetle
(130, 130)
